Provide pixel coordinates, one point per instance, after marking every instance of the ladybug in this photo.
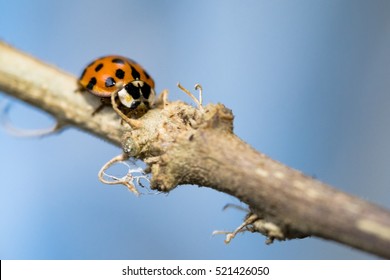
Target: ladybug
(110, 74)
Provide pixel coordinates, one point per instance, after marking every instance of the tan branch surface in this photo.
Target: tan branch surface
(187, 145)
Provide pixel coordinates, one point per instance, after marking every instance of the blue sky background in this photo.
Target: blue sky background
(308, 82)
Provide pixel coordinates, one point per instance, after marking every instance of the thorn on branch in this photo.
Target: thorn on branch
(253, 223)
(199, 100)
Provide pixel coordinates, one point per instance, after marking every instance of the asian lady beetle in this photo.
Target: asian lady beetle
(110, 74)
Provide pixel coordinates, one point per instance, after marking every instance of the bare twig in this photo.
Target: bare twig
(187, 145)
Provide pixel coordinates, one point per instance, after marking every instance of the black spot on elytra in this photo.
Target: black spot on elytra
(133, 91)
(135, 73)
(98, 67)
(91, 83)
(110, 82)
(118, 61)
(119, 73)
(146, 91)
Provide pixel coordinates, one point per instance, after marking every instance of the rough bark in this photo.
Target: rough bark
(186, 145)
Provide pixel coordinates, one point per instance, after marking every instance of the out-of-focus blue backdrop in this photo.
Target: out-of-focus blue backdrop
(308, 82)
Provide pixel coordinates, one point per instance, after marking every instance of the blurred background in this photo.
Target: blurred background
(308, 82)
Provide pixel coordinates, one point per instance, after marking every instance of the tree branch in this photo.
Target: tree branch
(186, 145)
